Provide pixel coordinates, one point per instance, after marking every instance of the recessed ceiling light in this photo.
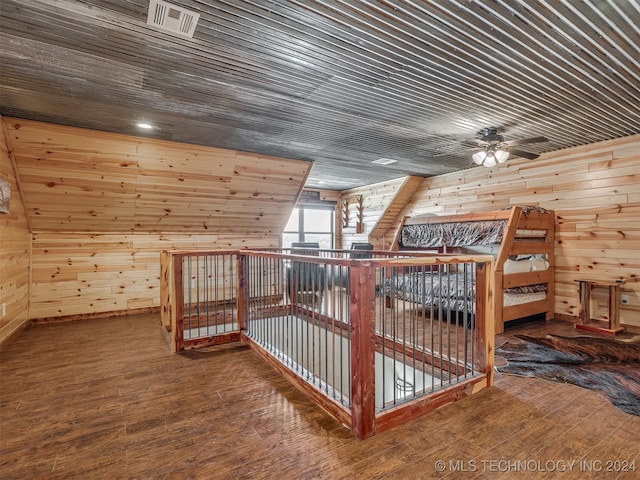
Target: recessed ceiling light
(145, 126)
(384, 161)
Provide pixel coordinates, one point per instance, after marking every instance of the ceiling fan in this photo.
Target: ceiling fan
(493, 149)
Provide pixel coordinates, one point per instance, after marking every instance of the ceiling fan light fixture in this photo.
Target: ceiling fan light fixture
(490, 156)
(490, 160)
(478, 157)
(501, 155)
(494, 149)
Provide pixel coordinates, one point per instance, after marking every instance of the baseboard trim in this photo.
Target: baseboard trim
(90, 316)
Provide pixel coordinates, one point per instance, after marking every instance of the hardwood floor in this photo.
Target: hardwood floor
(105, 399)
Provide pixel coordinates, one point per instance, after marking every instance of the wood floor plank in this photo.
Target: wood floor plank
(106, 399)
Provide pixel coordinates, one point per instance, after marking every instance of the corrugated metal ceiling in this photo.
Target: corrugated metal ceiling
(338, 82)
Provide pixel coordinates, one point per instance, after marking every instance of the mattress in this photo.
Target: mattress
(512, 299)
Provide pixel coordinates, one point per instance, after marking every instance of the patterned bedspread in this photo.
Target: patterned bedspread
(453, 234)
(458, 234)
(453, 291)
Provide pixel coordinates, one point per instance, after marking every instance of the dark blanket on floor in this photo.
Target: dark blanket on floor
(609, 366)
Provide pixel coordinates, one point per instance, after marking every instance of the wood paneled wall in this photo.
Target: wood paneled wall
(79, 180)
(595, 193)
(82, 275)
(100, 207)
(14, 254)
(382, 204)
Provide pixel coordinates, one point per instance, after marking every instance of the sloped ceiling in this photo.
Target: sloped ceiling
(86, 181)
(336, 82)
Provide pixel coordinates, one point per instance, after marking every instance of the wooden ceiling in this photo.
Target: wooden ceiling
(337, 82)
(77, 180)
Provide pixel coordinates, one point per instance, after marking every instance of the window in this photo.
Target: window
(310, 224)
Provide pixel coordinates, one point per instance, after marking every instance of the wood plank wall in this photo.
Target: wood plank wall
(14, 254)
(79, 180)
(378, 205)
(83, 275)
(595, 193)
(99, 207)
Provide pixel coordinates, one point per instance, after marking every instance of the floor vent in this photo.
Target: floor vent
(172, 19)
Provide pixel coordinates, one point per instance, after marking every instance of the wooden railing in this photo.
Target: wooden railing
(202, 297)
(337, 327)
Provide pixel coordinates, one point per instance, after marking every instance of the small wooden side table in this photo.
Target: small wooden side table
(586, 322)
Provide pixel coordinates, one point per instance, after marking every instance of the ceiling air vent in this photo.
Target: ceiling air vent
(172, 19)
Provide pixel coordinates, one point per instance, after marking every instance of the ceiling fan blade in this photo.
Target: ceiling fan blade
(474, 142)
(523, 154)
(523, 141)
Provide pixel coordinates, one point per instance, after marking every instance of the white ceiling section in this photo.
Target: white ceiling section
(340, 82)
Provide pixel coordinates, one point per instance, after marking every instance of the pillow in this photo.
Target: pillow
(520, 257)
(517, 266)
(539, 264)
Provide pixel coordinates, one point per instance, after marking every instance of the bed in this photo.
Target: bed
(521, 239)
(434, 289)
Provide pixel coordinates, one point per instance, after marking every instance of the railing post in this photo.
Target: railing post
(363, 342)
(177, 307)
(165, 289)
(243, 294)
(485, 324)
